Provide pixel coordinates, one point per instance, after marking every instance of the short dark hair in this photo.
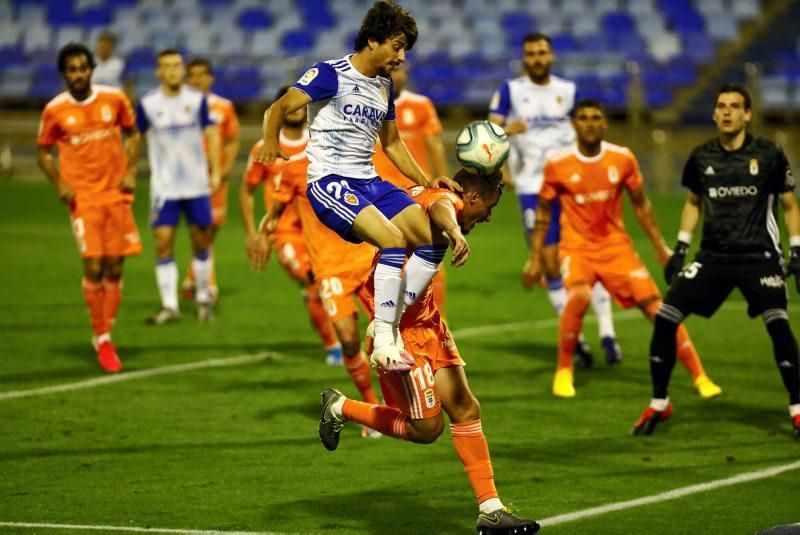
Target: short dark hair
(588, 103)
(384, 20)
(168, 52)
(735, 88)
(281, 91)
(71, 50)
(105, 34)
(201, 62)
(537, 36)
(486, 185)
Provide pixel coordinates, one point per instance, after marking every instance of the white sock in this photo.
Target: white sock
(202, 271)
(387, 296)
(601, 303)
(659, 405)
(167, 280)
(557, 295)
(417, 275)
(490, 506)
(336, 407)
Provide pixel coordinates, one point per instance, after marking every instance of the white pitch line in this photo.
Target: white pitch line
(671, 494)
(33, 525)
(138, 374)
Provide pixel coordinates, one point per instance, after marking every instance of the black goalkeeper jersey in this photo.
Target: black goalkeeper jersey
(739, 193)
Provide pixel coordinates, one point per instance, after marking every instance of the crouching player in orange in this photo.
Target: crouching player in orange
(588, 179)
(95, 178)
(287, 237)
(416, 393)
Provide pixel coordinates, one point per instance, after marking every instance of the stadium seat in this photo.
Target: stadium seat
(295, 42)
(254, 19)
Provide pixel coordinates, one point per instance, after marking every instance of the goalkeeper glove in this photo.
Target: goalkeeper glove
(675, 262)
(794, 265)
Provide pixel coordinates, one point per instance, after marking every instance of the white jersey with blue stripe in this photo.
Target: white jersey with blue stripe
(346, 113)
(175, 142)
(545, 110)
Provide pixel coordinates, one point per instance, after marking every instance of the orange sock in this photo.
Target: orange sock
(359, 371)
(687, 354)
(569, 327)
(382, 418)
(94, 294)
(319, 316)
(472, 449)
(113, 295)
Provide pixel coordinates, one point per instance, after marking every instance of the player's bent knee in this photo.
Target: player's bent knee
(350, 347)
(93, 269)
(580, 295)
(467, 409)
(668, 315)
(426, 431)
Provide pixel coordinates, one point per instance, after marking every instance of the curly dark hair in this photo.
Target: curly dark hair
(735, 88)
(384, 20)
(73, 49)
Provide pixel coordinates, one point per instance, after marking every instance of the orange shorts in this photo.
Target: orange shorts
(414, 393)
(618, 268)
(340, 290)
(105, 230)
(293, 255)
(219, 205)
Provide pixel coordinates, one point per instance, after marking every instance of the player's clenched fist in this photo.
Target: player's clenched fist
(675, 262)
(270, 151)
(65, 192)
(459, 246)
(531, 273)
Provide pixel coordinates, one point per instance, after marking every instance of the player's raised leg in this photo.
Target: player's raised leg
(472, 448)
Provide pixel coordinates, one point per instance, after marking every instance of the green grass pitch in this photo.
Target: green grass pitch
(236, 448)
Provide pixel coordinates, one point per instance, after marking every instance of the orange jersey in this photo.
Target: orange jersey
(272, 177)
(223, 114)
(329, 253)
(416, 119)
(87, 134)
(590, 191)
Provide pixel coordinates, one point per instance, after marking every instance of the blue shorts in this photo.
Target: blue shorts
(337, 200)
(168, 213)
(527, 204)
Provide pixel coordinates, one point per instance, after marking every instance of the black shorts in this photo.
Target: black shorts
(700, 288)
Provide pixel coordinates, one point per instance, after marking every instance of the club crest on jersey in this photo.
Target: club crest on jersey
(105, 114)
(575, 178)
(559, 99)
(308, 76)
(613, 174)
(430, 399)
(351, 199)
(71, 120)
(753, 166)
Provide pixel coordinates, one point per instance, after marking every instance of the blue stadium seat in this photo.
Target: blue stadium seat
(13, 56)
(95, 16)
(618, 22)
(296, 42)
(254, 19)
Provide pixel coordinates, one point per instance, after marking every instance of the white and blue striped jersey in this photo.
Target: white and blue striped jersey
(545, 109)
(175, 142)
(346, 113)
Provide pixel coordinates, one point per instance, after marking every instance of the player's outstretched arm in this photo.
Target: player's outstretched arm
(291, 101)
(643, 211)
(443, 215)
(48, 165)
(690, 217)
(791, 216)
(133, 140)
(532, 272)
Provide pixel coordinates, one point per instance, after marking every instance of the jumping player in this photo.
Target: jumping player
(95, 178)
(734, 182)
(589, 179)
(416, 395)
(534, 111)
(350, 103)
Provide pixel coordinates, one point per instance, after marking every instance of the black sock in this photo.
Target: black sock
(662, 354)
(784, 347)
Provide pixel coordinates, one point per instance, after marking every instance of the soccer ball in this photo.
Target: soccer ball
(482, 146)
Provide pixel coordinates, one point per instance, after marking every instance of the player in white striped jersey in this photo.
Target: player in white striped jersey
(176, 120)
(534, 110)
(350, 103)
